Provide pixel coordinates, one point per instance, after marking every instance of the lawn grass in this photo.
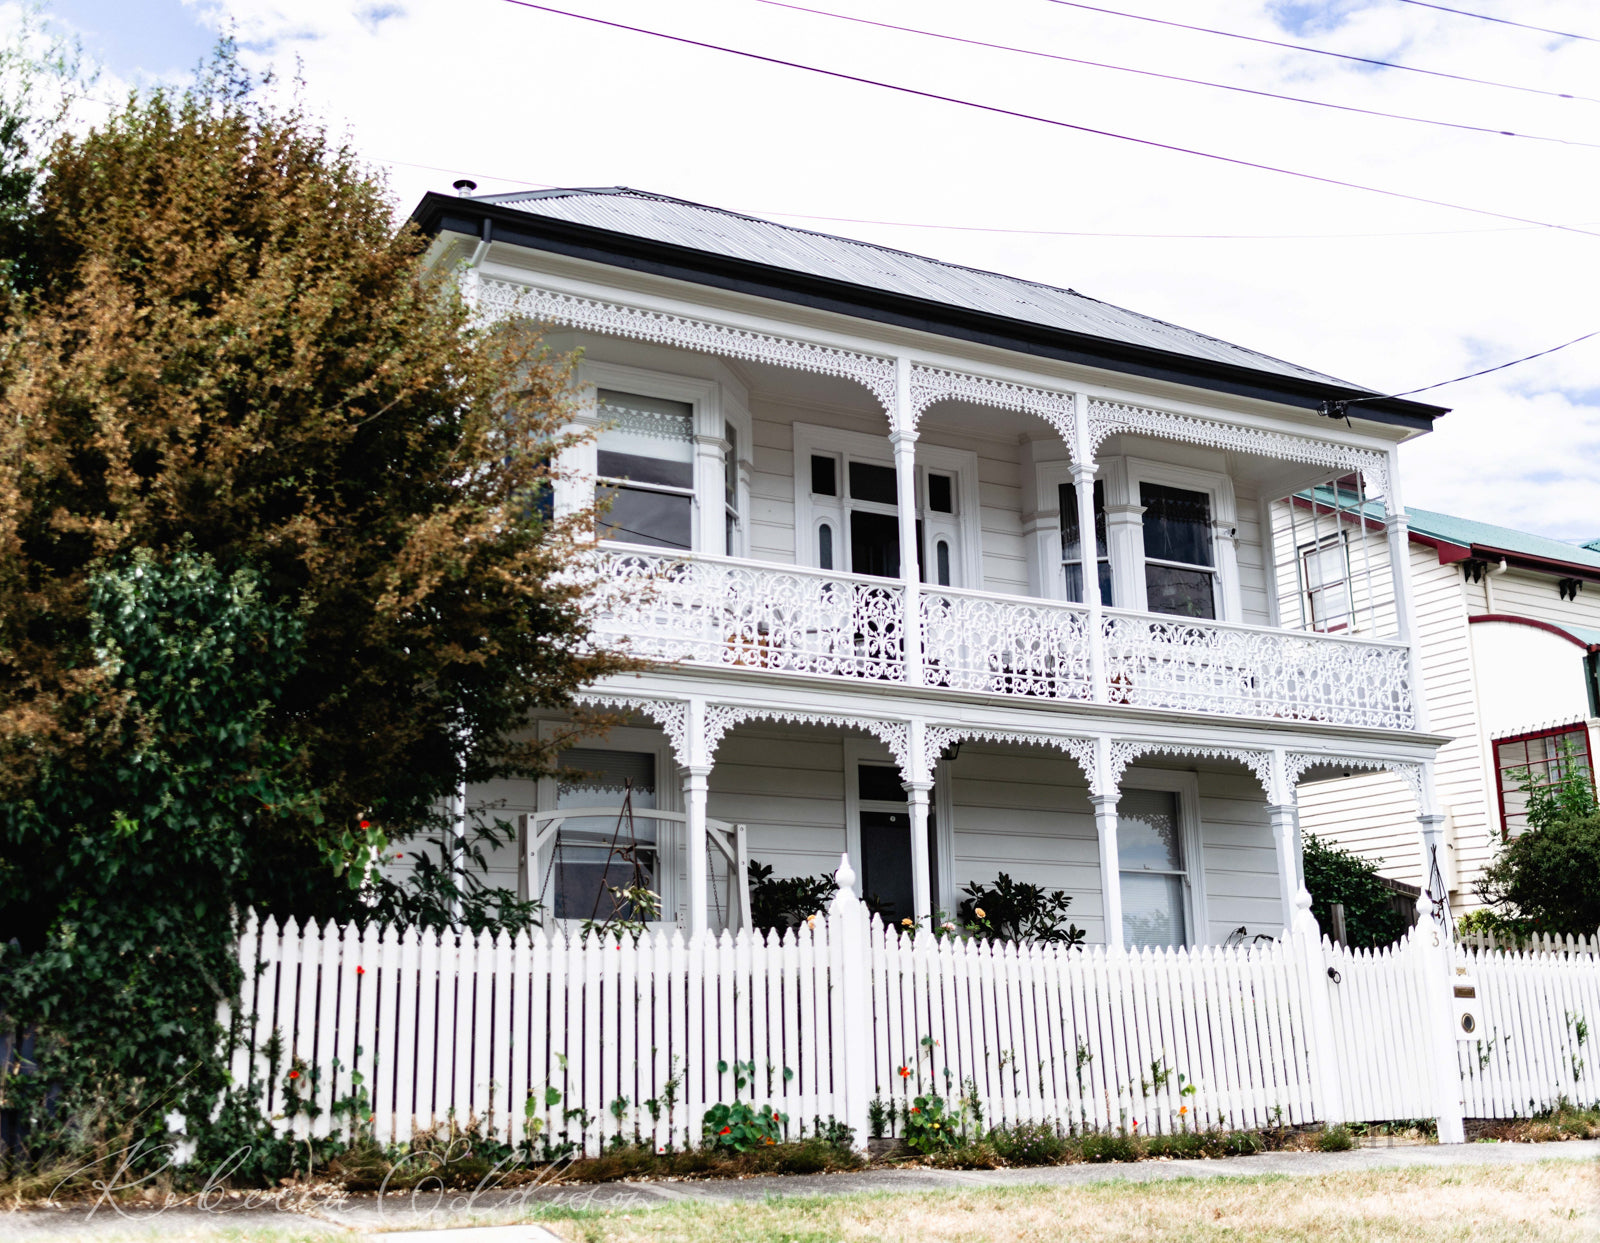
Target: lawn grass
(1551, 1202)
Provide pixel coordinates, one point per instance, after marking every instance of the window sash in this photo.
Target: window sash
(1513, 755)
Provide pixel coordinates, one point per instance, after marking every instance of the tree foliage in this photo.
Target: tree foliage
(1334, 874)
(124, 869)
(1547, 879)
(230, 346)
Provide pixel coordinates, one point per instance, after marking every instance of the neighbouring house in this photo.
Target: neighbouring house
(1508, 646)
(954, 573)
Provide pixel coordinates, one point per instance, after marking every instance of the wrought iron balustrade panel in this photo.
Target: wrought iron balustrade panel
(1004, 645)
(1205, 666)
(720, 612)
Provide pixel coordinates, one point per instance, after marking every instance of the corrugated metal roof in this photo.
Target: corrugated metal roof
(672, 221)
(1466, 532)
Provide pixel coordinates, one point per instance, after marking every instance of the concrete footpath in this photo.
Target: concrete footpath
(466, 1217)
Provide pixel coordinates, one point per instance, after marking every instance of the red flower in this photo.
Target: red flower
(915, 1109)
(725, 1130)
(905, 1072)
(361, 971)
(366, 824)
(294, 1074)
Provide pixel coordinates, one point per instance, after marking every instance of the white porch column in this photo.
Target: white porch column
(1083, 484)
(918, 786)
(904, 438)
(1284, 832)
(1405, 610)
(696, 776)
(1103, 794)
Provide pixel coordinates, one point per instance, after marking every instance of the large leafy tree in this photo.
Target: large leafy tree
(228, 346)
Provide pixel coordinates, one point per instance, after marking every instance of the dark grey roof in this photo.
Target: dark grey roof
(731, 235)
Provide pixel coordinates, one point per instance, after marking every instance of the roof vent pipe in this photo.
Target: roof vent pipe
(465, 187)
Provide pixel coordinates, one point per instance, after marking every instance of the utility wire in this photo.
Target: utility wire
(1501, 21)
(1068, 125)
(1336, 408)
(1319, 51)
(1172, 77)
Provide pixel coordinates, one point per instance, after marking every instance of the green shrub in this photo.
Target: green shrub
(1111, 1147)
(1015, 911)
(1337, 875)
(739, 1127)
(1335, 1139)
(1030, 1143)
(1182, 1144)
(777, 903)
(931, 1126)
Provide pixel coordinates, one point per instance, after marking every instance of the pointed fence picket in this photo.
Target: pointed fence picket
(553, 1037)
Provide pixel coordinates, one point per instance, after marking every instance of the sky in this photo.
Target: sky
(1376, 289)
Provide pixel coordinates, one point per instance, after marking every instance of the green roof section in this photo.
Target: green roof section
(1467, 532)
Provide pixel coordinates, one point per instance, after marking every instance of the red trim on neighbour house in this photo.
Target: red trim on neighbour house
(1449, 553)
(1579, 727)
(1511, 619)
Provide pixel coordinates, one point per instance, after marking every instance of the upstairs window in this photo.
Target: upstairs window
(646, 470)
(1546, 756)
(1325, 571)
(1072, 545)
(1180, 572)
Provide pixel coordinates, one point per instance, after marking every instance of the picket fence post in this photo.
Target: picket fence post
(1326, 1085)
(1437, 980)
(850, 999)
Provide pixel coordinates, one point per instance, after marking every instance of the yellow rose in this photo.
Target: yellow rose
(978, 911)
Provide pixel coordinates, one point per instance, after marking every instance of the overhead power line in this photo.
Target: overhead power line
(1237, 162)
(1501, 21)
(1172, 77)
(1321, 51)
(1336, 408)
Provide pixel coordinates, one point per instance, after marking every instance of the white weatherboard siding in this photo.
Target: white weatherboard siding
(1526, 594)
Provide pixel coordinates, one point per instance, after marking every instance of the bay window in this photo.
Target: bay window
(1179, 561)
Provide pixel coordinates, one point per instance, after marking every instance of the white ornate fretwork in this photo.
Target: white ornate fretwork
(931, 384)
(896, 735)
(1297, 763)
(496, 298)
(1206, 666)
(671, 714)
(937, 739)
(1121, 755)
(717, 612)
(1005, 646)
(1109, 417)
(1258, 762)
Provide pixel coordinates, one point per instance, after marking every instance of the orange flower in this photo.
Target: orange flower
(1183, 1110)
(905, 1072)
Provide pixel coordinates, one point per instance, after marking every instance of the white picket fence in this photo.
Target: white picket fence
(600, 1037)
(1542, 943)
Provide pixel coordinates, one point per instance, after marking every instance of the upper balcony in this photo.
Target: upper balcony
(1236, 582)
(737, 614)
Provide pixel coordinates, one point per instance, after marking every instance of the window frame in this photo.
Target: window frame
(961, 528)
(1341, 539)
(1557, 731)
(669, 786)
(1186, 785)
(1218, 486)
(716, 406)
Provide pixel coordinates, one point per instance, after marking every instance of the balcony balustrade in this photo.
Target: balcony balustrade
(722, 612)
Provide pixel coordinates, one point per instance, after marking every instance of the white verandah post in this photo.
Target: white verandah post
(903, 435)
(696, 778)
(1083, 473)
(918, 787)
(1103, 794)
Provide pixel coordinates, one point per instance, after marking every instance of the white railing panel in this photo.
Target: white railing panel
(717, 611)
(1196, 665)
(1004, 645)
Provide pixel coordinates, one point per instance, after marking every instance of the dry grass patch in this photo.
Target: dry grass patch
(1551, 1202)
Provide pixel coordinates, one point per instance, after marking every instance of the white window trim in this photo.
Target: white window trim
(715, 404)
(1341, 539)
(1224, 522)
(967, 564)
(1186, 785)
(669, 787)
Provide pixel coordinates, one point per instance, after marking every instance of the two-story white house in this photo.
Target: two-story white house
(952, 571)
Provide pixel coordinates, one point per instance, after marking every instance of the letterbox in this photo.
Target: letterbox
(1469, 1025)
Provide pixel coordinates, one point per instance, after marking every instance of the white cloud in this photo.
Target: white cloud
(508, 95)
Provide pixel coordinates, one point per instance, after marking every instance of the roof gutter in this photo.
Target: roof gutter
(440, 213)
